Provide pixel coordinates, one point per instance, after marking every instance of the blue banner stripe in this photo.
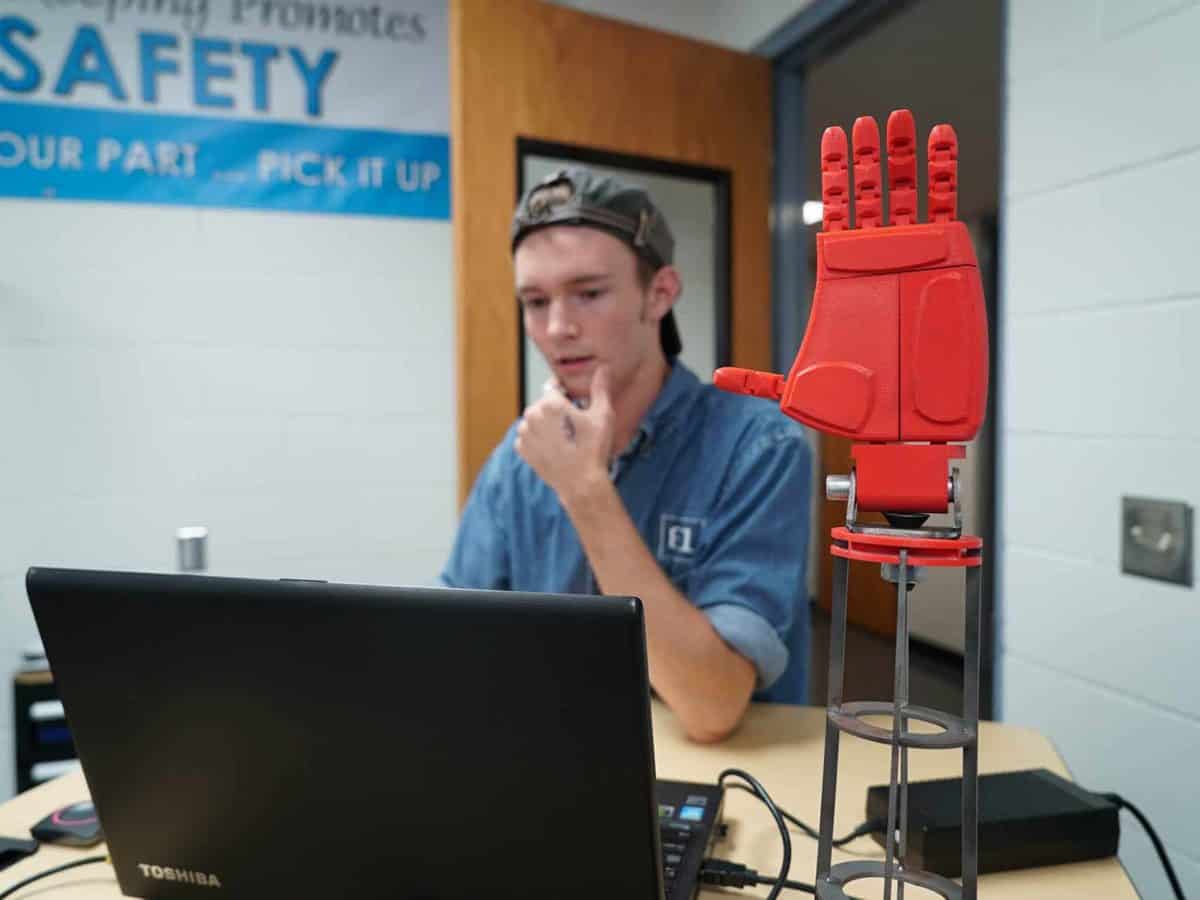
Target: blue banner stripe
(75, 153)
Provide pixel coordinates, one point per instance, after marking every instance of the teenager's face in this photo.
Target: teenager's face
(582, 305)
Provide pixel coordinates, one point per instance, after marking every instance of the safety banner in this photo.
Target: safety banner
(293, 106)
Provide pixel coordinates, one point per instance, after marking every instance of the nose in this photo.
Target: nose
(561, 323)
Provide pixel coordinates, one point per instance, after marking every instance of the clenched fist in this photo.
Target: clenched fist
(568, 447)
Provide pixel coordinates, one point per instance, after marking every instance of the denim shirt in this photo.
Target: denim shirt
(718, 485)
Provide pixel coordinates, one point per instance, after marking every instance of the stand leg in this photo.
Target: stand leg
(900, 712)
(970, 784)
(837, 671)
(901, 701)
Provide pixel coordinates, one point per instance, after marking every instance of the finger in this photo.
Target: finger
(868, 203)
(834, 180)
(943, 174)
(552, 386)
(536, 413)
(551, 406)
(902, 168)
(598, 393)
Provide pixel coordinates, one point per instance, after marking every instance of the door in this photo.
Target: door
(527, 71)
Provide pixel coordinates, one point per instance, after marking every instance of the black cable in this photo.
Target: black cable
(86, 861)
(724, 873)
(793, 885)
(868, 827)
(1158, 844)
(730, 874)
(784, 835)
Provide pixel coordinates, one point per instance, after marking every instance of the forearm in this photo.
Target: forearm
(705, 681)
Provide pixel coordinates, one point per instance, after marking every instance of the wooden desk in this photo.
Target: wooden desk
(782, 746)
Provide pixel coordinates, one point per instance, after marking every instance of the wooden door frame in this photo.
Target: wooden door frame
(544, 57)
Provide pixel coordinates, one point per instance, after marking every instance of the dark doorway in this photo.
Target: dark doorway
(835, 61)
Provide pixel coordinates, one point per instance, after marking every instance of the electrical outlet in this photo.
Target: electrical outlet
(1156, 539)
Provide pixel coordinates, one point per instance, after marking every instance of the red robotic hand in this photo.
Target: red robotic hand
(896, 346)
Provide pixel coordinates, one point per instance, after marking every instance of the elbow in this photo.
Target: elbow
(710, 735)
(716, 723)
(717, 713)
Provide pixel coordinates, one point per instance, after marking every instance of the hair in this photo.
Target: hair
(646, 271)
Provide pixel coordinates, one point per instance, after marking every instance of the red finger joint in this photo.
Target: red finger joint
(943, 174)
(868, 197)
(835, 180)
(902, 168)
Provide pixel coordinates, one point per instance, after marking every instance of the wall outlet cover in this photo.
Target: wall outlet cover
(1156, 539)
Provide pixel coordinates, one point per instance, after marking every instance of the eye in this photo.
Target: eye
(533, 304)
(591, 293)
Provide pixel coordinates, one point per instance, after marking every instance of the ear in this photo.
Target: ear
(665, 288)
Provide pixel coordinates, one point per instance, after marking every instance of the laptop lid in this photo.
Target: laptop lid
(299, 739)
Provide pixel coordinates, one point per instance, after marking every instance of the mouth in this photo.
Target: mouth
(572, 364)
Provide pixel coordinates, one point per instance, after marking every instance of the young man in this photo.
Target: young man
(628, 476)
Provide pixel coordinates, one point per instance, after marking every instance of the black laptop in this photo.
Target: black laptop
(288, 739)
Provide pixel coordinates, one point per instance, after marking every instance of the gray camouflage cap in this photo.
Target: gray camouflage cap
(578, 196)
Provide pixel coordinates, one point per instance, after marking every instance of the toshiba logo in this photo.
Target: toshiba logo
(187, 876)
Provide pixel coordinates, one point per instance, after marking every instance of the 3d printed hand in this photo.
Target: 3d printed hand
(896, 345)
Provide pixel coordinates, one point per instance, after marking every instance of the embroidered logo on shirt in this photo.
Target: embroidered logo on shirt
(678, 537)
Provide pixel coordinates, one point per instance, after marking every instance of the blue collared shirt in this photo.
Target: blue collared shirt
(717, 484)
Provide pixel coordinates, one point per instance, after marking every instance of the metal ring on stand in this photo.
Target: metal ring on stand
(954, 736)
(842, 874)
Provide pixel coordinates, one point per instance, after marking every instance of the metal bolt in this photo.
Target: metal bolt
(837, 487)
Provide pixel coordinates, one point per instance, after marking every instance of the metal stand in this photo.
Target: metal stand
(905, 554)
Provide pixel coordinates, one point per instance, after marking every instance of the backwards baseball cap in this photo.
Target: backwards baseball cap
(578, 196)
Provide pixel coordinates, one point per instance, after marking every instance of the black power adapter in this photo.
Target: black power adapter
(1028, 818)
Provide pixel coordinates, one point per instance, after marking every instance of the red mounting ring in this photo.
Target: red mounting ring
(962, 552)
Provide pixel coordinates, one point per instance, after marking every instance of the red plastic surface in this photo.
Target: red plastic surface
(902, 167)
(896, 347)
(943, 173)
(767, 385)
(848, 359)
(960, 553)
(943, 387)
(888, 251)
(835, 180)
(904, 477)
(868, 199)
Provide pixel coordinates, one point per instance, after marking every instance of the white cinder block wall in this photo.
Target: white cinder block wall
(286, 380)
(1101, 369)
